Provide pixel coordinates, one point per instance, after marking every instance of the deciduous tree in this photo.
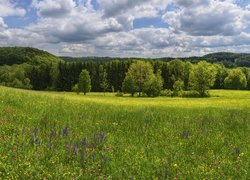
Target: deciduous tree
(84, 83)
(236, 79)
(202, 77)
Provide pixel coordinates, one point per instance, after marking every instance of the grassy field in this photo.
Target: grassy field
(49, 135)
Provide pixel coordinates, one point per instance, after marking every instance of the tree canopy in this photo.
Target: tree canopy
(84, 83)
(236, 79)
(202, 77)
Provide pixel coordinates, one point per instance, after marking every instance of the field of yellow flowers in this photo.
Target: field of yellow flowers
(51, 135)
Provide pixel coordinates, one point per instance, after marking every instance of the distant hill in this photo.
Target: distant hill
(229, 59)
(19, 55)
(226, 58)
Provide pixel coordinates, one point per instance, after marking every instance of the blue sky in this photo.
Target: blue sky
(142, 28)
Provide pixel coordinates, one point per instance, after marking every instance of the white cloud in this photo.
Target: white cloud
(76, 28)
(2, 24)
(207, 18)
(53, 8)
(9, 9)
(126, 11)
(81, 25)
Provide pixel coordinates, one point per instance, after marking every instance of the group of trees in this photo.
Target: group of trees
(140, 78)
(15, 76)
(143, 78)
(133, 76)
(229, 60)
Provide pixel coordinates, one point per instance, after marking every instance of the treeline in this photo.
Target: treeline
(229, 60)
(63, 76)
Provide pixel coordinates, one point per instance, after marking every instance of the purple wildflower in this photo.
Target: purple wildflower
(105, 160)
(66, 131)
(93, 157)
(75, 150)
(35, 133)
(84, 141)
(185, 134)
(52, 134)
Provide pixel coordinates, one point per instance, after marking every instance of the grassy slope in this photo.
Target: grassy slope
(160, 137)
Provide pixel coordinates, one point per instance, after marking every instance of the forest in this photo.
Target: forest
(30, 68)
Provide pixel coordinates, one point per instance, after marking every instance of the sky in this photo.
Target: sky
(127, 28)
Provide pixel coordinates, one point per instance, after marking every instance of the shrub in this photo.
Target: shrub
(192, 94)
(119, 94)
(167, 93)
(75, 89)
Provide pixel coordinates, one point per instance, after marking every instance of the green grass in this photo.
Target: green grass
(140, 138)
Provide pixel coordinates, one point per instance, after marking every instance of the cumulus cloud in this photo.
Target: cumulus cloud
(207, 18)
(81, 25)
(192, 3)
(2, 23)
(117, 7)
(9, 9)
(126, 11)
(78, 27)
(54, 8)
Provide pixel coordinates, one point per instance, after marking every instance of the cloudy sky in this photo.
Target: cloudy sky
(138, 28)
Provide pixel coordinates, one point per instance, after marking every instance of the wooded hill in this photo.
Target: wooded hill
(19, 55)
(227, 59)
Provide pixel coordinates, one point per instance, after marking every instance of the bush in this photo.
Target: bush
(119, 94)
(192, 94)
(167, 93)
(75, 89)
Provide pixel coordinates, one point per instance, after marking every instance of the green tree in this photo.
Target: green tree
(176, 70)
(202, 77)
(178, 87)
(246, 71)
(220, 76)
(129, 84)
(186, 74)
(236, 79)
(75, 88)
(154, 86)
(84, 83)
(104, 81)
(141, 72)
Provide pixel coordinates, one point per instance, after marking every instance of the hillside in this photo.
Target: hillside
(19, 55)
(229, 59)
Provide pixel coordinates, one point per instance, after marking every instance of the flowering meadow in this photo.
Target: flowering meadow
(51, 135)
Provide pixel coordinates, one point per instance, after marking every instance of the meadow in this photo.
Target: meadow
(52, 135)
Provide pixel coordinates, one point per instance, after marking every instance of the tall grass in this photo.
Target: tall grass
(66, 136)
